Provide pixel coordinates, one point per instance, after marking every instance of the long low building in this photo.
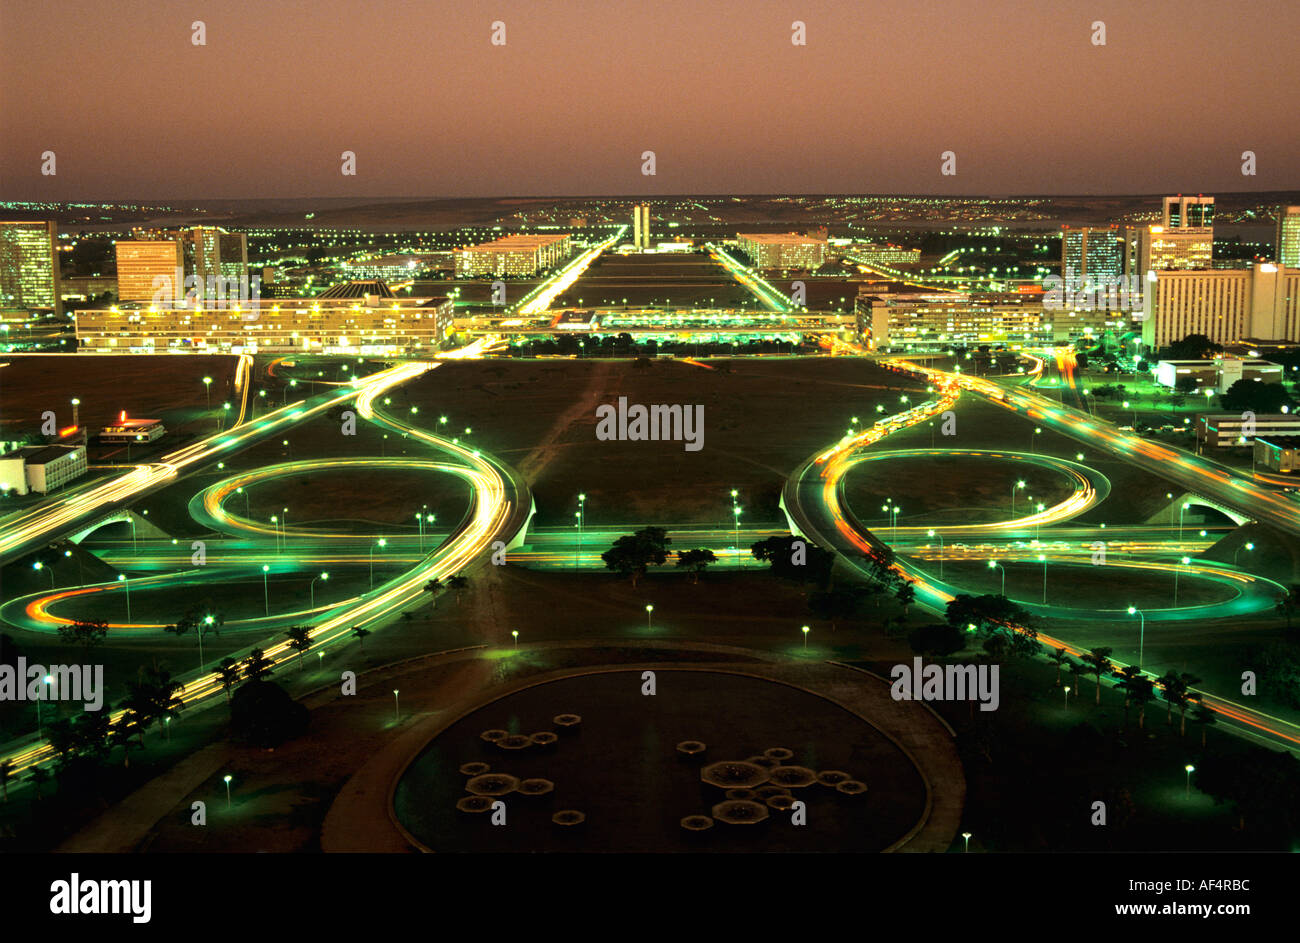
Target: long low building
(41, 468)
(367, 325)
(1227, 306)
(1223, 430)
(519, 254)
(785, 251)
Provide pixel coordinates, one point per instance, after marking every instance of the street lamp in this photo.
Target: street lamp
(931, 533)
(893, 531)
(1142, 632)
(804, 630)
(38, 566)
(648, 610)
(47, 681)
(207, 389)
(312, 587)
(1067, 697)
(1043, 560)
(1239, 549)
(226, 779)
(1178, 569)
(1181, 510)
(994, 564)
(381, 543)
(121, 578)
(1018, 485)
(1189, 769)
(240, 490)
(736, 512)
(966, 838)
(397, 707)
(514, 633)
(580, 514)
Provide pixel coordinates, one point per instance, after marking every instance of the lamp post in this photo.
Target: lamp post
(266, 598)
(580, 514)
(240, 490)
(735, 514)
(1067, 697)
(931, 533)
(397, 707)
(1178, 569)
(649, 609)
(1189, 769)
(47, 681)
(1238, 552)
(207, 623)
(312, 586)
(893, 528)
(966, 838)
(804, 630)
(1142, 632)
(1181, 511)
(994, 564)
(226, 779)
(207, 389)
(380, 543)
(38, 566)
(122, 578)
(1042, 558)
(1018, 485)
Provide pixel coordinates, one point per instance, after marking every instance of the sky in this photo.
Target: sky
(133, 110)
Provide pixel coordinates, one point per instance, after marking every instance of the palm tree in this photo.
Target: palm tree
(1203, 716)
(1128, 676)
(228, 675)
(123, 735)
(1098, 664)
(1176, 690)
(38, 777)
(361, 634)
(257, 666)
(1060, 658)
(1141, 690)
(433, 588)
(299, 640)
(6, 770)
(458, 585)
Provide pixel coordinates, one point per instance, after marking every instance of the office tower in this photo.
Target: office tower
(787, 251)
(29, 265)
(1287, 238)
(217, 258)
(1188, 212)
(150, 270)
(1228, 306)
(641, 226)
(1092, 256)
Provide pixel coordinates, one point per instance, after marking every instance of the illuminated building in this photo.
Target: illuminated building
(132, 430)
(365, 325)
(29, 266)
(940, 320)
(1219, 373)
(211, 253)
(1279, 453)
(641, 226)
(1223, 430)
(884, 255)
(1227, 306)
(41, 468)
(1092, 255)
(1287, 237)
(517, 255)
(1188, 212)
(149, 270)
(785, 251)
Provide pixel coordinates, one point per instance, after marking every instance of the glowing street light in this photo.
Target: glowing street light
(1067, 697)
(266, 599)
(1178, 569)
(648, 610)
(226, 779)
(1043, 560)
(1142, 632)
(38, 566)
(122, 578)
(931, 533)
(397, 707)
(381, 543)
(1189, 769)
(993, 564)
(1247, 546)
(966, 838)
(207, 389)
(312, 587)
(804, 630)
(514, 633)
(1019, 485)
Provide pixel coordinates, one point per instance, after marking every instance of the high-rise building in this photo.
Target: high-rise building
(211, 253)
(150, 270)
(29, 266)
(1092, 256)
(641, 226)
(1227, 306)
(1188, 212)
(1287, 239)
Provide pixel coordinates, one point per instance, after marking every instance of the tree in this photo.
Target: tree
(1263, 788)
(38, 778)
(458, 585)
(1058, 655)
(792, 558)
(696, 560)
(265, 715)
(433, 588)
(202, 619)
(632, 555)
(87, 634)
(1186, 385)
(905, 594)
(1193, 347)
(993, 616)
(360, 634)
(6, 770)
(228, 675)
(1098, 664)
(1174, 688)
(1248, 395)
(124, 735)
(257, 666)
(1138, 689)
(299, 640)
